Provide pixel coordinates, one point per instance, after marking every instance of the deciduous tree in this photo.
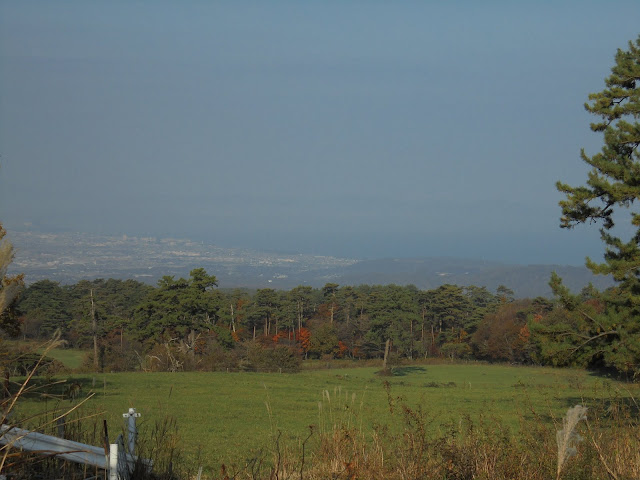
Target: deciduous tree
(10, 287)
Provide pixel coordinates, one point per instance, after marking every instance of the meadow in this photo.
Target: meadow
(232, 418)
(71, 358)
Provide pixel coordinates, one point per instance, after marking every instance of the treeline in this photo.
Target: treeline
(191, 324)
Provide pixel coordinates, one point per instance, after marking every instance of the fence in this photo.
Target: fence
(113, 458)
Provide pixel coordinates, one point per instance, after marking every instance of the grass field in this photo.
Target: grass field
(70, 357)
(224, 417)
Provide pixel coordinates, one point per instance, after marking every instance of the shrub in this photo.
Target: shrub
(456, 350)
(272, 358)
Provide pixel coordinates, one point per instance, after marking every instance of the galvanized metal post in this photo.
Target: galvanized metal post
(132, 432)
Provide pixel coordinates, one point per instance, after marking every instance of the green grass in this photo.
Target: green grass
(226, 416)
(71, 358)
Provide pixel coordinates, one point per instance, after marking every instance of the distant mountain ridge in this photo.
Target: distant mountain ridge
(428, 273)
(70, 257)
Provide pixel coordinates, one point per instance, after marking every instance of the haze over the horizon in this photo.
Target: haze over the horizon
(355, 129)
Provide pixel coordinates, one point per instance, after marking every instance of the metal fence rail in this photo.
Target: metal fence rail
(54, 446)
(116, 461)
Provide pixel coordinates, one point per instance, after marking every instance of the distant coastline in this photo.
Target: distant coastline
(69, 257)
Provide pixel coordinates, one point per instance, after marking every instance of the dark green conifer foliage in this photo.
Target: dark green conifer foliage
(614, 180)
(610, 194)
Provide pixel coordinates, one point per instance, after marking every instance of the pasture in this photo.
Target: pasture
(227, 417)
(70, 357)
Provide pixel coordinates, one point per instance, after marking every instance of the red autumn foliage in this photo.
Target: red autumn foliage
(303, 337)
(342, 349)
(281, 335)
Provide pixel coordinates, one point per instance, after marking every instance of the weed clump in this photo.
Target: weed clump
(160, 447)
(416, 444)
(568, 437)
(440, 385)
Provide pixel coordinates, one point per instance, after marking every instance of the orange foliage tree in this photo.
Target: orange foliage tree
(504, 334)
(303, 337)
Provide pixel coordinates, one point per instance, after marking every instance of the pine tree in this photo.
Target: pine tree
(609, 195)
(614, 180)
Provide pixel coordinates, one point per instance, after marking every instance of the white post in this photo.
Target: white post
(132, 432)
(113, 462)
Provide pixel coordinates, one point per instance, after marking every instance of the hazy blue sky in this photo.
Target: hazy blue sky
(350, 128)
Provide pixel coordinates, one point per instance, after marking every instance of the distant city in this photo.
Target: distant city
(69, 257)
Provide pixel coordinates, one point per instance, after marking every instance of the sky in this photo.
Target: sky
(363, 129)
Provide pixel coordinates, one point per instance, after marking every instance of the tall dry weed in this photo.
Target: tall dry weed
(614, 433)
(414, 444)
(19, 463)
(160, 443)
(568, 437)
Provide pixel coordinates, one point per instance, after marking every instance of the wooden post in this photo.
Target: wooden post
(60, 424)
(94, 325)
(108, 450)
(6, 393)
(386, 354)
(411, 330)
